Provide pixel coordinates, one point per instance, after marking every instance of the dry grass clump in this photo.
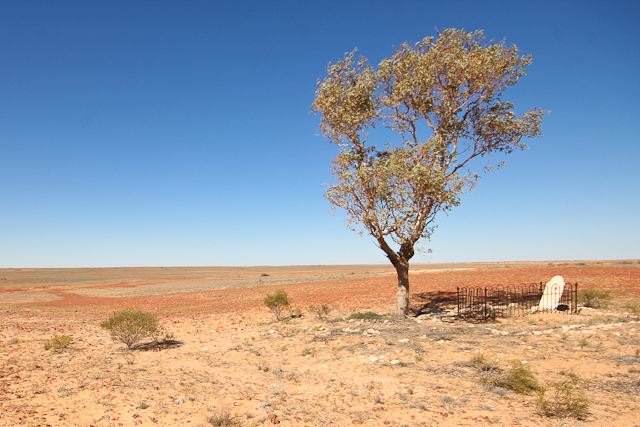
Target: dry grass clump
(222, 419)
(58, 342)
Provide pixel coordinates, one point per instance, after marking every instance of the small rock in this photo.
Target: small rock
(179, 401)
(395, 362)
(373, 359)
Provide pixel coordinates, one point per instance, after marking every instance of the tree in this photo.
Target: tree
(442, 97)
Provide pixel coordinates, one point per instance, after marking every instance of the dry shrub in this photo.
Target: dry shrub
(562, 400)
(322, 311)
(221, 419)
(483, 363)
(594, 297)
(519, 379)
(277, 303)
(131, 326)
(634, 307)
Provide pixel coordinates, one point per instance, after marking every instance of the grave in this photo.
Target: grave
(552, 294)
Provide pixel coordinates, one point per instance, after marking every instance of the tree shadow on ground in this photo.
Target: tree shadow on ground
(432, 302)
(441, 302)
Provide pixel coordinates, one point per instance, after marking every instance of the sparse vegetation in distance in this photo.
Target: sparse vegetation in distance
(58, 342)
(132, 326)
(277, 303)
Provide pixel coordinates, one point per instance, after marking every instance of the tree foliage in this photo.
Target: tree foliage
(442, 97)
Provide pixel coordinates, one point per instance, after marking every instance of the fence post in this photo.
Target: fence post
(485, 302)
(458, 300)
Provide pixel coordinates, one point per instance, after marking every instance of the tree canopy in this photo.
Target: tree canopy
(442, 97)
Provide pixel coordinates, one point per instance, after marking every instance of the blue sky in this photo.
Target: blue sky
(180, 133)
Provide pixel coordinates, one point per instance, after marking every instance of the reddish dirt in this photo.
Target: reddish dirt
(175, 294)
(228, 353)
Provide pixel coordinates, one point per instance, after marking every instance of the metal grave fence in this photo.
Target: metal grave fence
(516, 300)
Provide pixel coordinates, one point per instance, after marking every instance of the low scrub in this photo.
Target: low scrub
(277, 303)
(594, 297)
(58, 342)
(519, 379)
(368, 315)
(633, 307)
(132, 326)
(322, 311)
(561, 399)
(483, 363)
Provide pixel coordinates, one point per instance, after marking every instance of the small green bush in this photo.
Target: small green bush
(132, 326)
(519, 379)
(277, 303)
(563, 401)
(58, 342)
(368, 315)
(594, 297)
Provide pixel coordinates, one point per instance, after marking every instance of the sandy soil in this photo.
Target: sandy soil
(229, 354)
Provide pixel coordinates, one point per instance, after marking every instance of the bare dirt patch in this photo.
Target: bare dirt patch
(228, 354)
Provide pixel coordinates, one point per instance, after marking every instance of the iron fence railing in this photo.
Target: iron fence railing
(516, 300)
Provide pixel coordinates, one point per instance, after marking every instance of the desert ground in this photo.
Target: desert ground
(229, 362)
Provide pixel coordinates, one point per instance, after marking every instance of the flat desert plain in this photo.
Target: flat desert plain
(230, 363)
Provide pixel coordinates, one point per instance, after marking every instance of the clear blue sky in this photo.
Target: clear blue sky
(180, 134)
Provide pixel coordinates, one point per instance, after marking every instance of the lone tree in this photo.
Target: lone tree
(443, 97)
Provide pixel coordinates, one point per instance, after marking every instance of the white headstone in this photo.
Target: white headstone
(552, 293)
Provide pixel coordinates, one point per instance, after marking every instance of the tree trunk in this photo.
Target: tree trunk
(402, 268)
